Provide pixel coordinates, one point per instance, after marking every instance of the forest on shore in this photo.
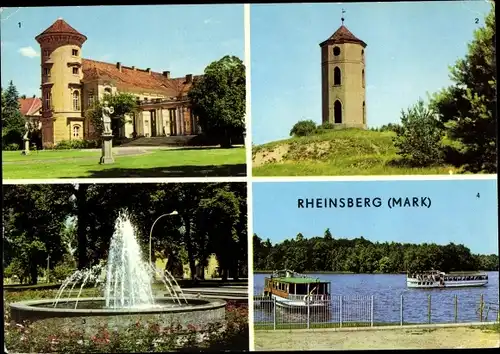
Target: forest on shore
(359, 255)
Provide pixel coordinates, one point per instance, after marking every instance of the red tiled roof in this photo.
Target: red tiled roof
(60, 26)
(138, 78)
(343, 35)
(30, 106)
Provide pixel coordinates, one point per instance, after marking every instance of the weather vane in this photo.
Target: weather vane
(342, 18)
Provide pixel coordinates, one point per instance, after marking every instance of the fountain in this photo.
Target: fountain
(126, 281)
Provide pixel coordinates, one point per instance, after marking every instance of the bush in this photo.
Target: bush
(419, 138)
(16, 268)
(11, 147)
(303, 128)
(61, 271)
(77, 144)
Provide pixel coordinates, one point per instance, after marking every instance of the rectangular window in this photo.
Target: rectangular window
(74, 52)
(46, 71)
(75, 71)
(47, 100)
(91, 99)
(45, 52)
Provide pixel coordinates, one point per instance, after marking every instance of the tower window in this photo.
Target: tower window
(91, 99)
(363, 77)
(45, 52)
(76, 100)
(47, 98)
(46, 71)
(337, 76)
(364, 113)
(75, 71)
(362, 54)
(76, 131)
(336, 51)
(337, 112)
(74, 52)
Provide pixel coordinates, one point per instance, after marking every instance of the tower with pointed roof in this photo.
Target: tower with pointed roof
(61, 64)
(343, 79)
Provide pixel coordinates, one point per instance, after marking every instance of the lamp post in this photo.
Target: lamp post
(48, 265)
(151, 232)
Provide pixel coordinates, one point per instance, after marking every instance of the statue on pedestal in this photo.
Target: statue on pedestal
(27, 130)
(107, 111)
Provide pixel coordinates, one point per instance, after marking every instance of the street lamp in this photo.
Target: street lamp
(151, 232)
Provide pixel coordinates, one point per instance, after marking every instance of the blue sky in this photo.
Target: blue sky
(410, 46)
(181, 39)
(456, 213)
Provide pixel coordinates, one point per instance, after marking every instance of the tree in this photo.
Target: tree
(303, 128)
(328, 235)
(218, 98)
(419, 140)
(12, 119)
(468, 108)
(123, 104)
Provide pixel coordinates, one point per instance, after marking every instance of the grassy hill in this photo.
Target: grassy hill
(335, 153)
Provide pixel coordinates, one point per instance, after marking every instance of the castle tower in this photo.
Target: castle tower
(343, 80)
(61, 65)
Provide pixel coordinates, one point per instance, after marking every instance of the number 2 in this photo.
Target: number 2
(476, 20)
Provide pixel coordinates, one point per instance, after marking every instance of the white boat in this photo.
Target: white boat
(437, 279)
(292, 290)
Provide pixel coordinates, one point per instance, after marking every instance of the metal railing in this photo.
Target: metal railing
(368, 311)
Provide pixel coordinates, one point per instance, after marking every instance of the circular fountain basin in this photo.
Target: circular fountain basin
(92, 312)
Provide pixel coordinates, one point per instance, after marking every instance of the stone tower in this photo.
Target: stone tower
(61, 65)
(343, 80)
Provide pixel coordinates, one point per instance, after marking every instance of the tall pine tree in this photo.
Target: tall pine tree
(468, 108)
(12, 119)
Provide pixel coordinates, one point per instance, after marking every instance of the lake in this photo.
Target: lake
(387, 289)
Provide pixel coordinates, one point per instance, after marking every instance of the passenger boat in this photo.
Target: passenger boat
(437, 279)
(292, 290)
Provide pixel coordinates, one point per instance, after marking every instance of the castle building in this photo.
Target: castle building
(70, 84)
(343, 80)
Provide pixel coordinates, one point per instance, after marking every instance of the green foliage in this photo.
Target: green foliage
(303, 128)
(16, 269)
(218, 98)
(77, 144)
(468, 108)
(62, 271)
(12, 119)
(362, 256)
(11, 147)
(419, 140)
(123, 104)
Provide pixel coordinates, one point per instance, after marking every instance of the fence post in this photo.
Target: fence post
(274, 313)
(341, 311)
(371, 312)
(401, 311)
(481, 306)
(456, 308)
(429, 308)
(308, 313)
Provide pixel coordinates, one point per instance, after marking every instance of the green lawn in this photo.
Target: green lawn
(345, 152)
(155, 163)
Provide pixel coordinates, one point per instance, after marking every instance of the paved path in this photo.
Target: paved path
(400, 338)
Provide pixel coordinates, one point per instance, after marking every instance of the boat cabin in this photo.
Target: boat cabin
(293, 286)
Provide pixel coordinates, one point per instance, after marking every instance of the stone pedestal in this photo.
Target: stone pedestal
(26, 150)
(107, 147)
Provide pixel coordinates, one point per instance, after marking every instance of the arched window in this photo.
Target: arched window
(364, 113)
(107, 90)
(362, 54)
(337, 112)
(336, 51)
(76, 131)
(337, 76)
(76, 100)
(363, 77)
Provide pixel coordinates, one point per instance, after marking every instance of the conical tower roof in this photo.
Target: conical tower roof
(343, 35)
(61, 27)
